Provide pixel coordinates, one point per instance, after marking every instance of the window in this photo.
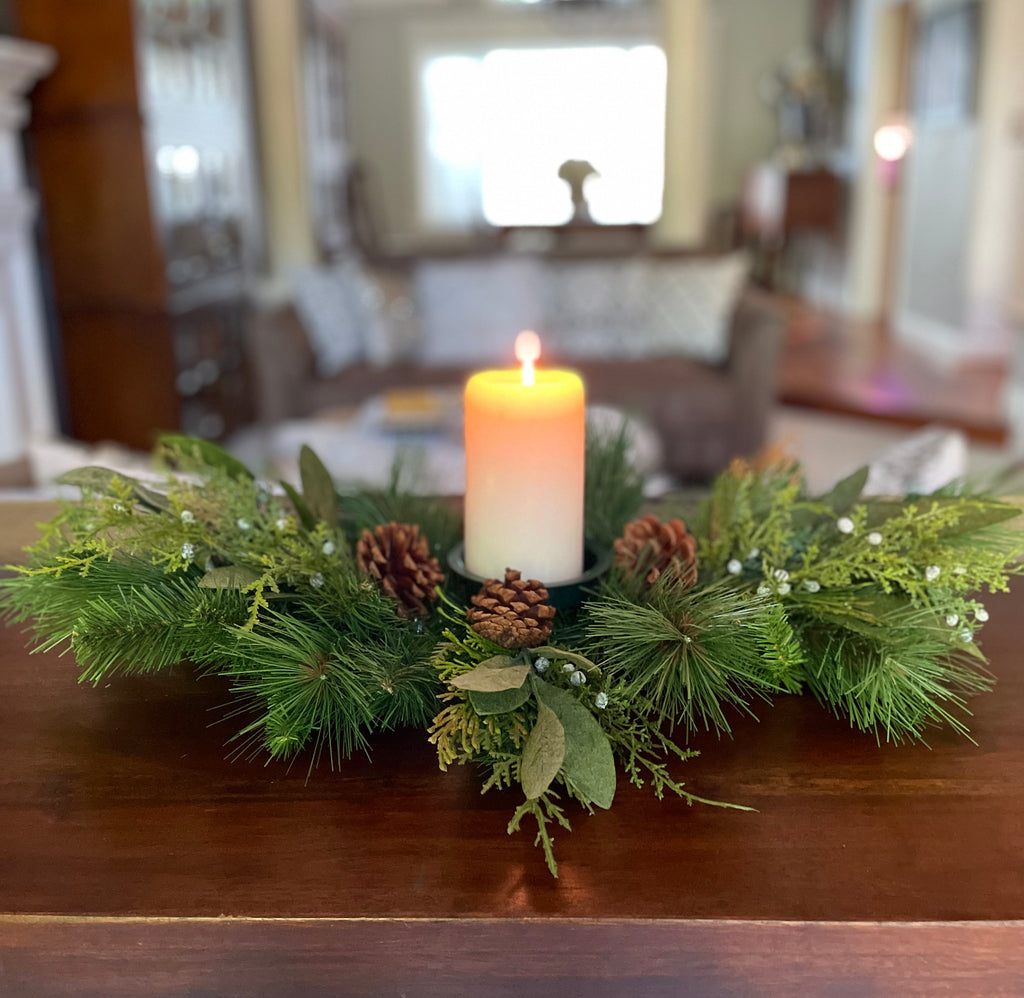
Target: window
(497, 127)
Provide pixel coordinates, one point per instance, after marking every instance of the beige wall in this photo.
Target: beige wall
(985, 199)
(276, 49)
(717, 127)
(749, 40)
(381, 44)
(381, 121)
(994, 284)
(875, 95)
(685, 35)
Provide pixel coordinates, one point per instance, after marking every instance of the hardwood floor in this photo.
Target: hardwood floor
(852, 368)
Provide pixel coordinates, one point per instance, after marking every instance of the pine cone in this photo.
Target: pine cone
(514, 613)
(652, 547)
(398, 556)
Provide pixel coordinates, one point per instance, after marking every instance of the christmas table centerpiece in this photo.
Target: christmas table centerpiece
(333, 616)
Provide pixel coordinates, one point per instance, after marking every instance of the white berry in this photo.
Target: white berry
(734, 567)
(844, 525)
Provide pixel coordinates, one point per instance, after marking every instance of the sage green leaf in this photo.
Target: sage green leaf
(880, 510)
(229, 577)
(487, 679)
(976, 513)
(208, 452)
(157, 500)
(845, 493)
(980, 513)
(502, 702)
(302, 511)
(100, 480)
(496, 662)
(589, 764)
(318, 487)
(543, 753)
(94, 478)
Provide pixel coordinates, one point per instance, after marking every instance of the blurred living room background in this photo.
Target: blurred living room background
(749, 223)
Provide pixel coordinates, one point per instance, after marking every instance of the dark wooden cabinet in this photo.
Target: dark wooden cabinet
(142, 145)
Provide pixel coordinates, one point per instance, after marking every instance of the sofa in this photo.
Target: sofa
(706, 405)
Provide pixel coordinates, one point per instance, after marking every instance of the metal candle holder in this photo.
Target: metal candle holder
(563, 596)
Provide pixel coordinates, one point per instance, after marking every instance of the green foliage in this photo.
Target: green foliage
(690, 652)
(892, 668)
(216, 569)
(437, 518)
(543, 753)
(873, 599)
(317, 488)
(560, 731)
(782, 655)
(871, 605)
(614, 489)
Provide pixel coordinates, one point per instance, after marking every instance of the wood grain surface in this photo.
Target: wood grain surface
(117, 803)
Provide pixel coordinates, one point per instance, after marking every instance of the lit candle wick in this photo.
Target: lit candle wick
(527, 353)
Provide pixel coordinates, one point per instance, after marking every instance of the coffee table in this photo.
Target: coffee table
(135, 860)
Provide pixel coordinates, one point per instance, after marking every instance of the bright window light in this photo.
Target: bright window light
(497, 129)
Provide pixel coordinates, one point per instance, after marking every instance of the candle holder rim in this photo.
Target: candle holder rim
(568, 593)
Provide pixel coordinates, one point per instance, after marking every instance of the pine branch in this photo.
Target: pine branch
(302, 681)
(688, 652)
(894, 676)
(614, 489)
(437, 518)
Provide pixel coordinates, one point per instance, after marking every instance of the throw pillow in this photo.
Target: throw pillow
(472, 310)
(688, 306)
(327, 309)
(591, 307)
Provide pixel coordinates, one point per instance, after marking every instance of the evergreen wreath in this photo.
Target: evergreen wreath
(321, 610)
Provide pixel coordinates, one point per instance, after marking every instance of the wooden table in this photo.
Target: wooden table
(135, 860)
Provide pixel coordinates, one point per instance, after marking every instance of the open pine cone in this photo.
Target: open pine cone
(514, 613)
(649, 546)
(398, 556)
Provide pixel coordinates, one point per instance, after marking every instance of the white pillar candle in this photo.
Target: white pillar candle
(525, 442)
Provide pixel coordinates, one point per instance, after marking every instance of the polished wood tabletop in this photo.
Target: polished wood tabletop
(134, 859)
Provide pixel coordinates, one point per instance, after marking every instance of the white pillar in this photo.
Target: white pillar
(27, 400)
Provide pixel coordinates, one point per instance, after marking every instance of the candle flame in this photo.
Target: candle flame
(527, 353)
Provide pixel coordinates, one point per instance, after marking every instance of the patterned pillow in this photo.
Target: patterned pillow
(472, 310)
(591, 308)
(688, 305)
(330, 316)
(641, 308)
